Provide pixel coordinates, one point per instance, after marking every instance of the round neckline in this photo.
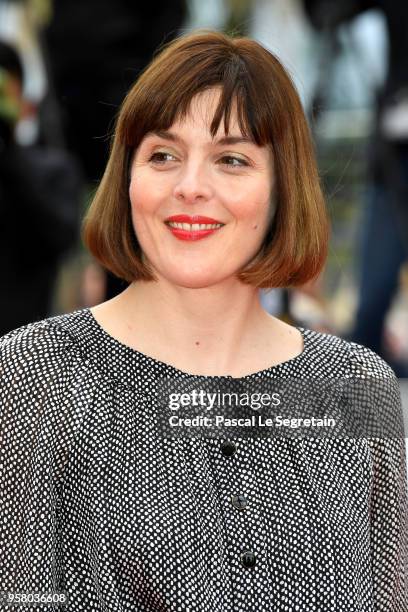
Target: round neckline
(116, 344)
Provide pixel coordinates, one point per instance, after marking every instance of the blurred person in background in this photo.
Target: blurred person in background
(283, 27)
(384, 228)
(384, 247)
(40, 190)
(95, 53)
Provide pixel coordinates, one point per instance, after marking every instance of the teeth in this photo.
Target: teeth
(194, 226)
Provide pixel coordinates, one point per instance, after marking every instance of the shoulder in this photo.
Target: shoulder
(368, 386)
(46, 335)
(41, 348)
(45, 385)
(366, 362)
(342, 357)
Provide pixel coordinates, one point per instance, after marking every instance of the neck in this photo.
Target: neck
(209, 327)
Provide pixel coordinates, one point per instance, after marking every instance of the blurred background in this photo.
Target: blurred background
(64, 70)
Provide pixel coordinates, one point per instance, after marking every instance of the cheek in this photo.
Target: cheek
(264, 214)
(140, 206)
(146, 192)
(142, 197)
(256, 207)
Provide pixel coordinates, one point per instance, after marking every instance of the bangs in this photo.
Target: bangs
(153, 111)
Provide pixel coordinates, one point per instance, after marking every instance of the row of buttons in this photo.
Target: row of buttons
(228, 449)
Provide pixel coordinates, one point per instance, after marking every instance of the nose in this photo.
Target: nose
(193, 183)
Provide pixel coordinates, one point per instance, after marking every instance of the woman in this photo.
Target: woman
(210, 193)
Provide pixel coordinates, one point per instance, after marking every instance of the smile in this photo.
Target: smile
(192, 231)
(192, 227)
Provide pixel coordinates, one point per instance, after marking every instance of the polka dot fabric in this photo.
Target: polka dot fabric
(96, 505)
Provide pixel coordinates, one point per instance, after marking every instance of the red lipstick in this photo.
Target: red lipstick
(192, 234)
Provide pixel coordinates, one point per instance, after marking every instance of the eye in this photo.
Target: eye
(158, 156)
(232, 158)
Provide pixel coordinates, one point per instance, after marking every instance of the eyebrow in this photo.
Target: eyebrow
(226, 140)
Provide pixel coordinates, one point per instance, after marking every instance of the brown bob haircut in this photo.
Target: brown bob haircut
(269, 111)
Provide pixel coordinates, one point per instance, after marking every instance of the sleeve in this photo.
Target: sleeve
(389, 503)
(38, 368)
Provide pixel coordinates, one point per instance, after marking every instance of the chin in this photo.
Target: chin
(192, 280)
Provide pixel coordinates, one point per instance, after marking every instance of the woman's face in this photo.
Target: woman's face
(185, 172)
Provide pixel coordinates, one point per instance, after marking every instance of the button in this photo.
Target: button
(248, 558)
(239, 501)
(228, 448)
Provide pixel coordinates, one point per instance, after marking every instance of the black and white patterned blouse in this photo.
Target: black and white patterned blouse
(97, 507)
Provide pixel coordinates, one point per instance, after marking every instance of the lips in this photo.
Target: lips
(191, 219)
(195, 227)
